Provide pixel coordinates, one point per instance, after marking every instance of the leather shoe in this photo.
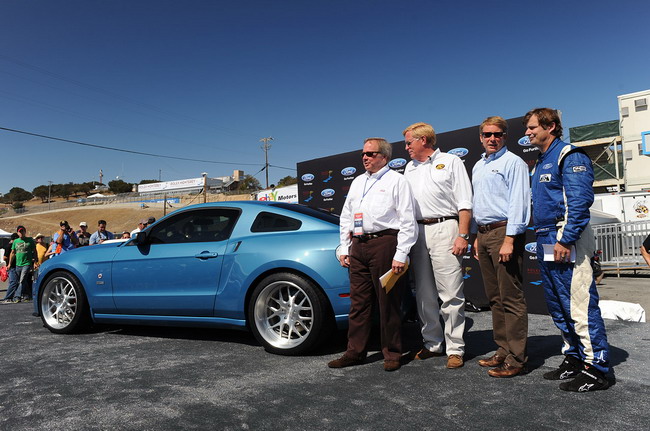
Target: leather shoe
(455, 361)
(344, 361)
(505, 370)
(391, 365)
(493, 361)
(426, 354)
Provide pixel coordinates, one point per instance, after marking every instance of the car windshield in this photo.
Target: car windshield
(313, 212)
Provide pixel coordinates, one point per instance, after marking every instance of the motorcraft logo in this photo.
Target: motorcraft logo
(524, 142)
(531, 247)
(349, 171)
(307, 177)
(396, 163)
(327, 193)
(460, 152)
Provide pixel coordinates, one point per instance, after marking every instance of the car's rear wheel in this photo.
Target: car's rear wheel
(63, 304)
(288, 314)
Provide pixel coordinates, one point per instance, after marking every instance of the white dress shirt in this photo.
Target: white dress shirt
(386, 202)
(440, 185)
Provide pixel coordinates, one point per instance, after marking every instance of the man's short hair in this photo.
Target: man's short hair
(494, 121)
(101, 222)
(385, 149)
(422, 130)
(546, 117)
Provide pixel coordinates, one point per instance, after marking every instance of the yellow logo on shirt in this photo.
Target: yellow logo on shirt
(440, 166)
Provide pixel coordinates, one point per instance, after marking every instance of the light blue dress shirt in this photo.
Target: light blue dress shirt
(501, 191)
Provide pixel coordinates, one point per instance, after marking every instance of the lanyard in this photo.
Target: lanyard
(365, 192)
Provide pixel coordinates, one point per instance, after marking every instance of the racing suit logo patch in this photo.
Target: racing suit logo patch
(579, 169)
(545, 178)
(440, 166)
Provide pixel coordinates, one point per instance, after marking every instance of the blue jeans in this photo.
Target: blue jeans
(12, 283)
(24, 274)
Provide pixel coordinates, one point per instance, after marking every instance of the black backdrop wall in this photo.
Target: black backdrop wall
(324, 183)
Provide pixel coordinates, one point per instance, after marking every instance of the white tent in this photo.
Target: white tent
(4, 234)
(96, 195)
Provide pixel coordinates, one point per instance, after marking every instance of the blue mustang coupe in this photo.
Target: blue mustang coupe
(267, 266)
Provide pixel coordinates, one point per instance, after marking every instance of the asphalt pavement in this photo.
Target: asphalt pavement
(141, 378)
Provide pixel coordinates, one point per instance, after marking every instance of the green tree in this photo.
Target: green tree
(249, 184)
(42, 192)
(149, 181)
(119, 186)
(83, 188)
(287, 181)
(17, 194)
(66, 191)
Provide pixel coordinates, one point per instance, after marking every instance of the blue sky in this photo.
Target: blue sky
(208, 79)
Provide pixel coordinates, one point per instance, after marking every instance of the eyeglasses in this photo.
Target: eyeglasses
(496, 134)
(369, 153)
(408, 143)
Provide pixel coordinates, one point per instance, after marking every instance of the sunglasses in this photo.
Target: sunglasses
(496, 134)
(408, 143)
(369, 153)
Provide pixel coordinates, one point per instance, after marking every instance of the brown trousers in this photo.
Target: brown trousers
(369, 260)
(503, 283)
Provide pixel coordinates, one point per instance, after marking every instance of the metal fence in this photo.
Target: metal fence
(620, 244)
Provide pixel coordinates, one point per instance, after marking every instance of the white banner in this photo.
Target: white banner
(287, 194)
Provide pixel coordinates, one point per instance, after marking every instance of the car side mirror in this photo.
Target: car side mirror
(141, 238)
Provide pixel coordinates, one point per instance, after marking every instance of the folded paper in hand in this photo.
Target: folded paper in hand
(548, 253)
(389, 279)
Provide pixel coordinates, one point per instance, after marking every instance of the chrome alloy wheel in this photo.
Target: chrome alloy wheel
(284, 314)
(59, 302)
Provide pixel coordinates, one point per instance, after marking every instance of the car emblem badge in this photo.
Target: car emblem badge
(99, 275)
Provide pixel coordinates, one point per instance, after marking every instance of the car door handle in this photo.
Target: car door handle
(206, 255)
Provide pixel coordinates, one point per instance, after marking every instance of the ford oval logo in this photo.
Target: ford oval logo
(327, 193)
(460, 152)
(531, 247)
(346, 172)
(396, 163)
(307, 177)
(524, 142)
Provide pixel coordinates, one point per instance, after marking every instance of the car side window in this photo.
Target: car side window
(269, 222)
(201, 225)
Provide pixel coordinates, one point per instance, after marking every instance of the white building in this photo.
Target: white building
(634, 123)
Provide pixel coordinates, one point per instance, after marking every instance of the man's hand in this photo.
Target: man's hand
(561, 253)
(398, 267)
(460, 247)
(505, 252)
(344, 259)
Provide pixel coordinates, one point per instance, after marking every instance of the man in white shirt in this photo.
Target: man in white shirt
(443, 196)
(378, 230)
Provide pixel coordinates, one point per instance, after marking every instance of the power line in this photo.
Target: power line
(103, 147)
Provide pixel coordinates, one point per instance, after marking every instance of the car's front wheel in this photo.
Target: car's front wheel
(63, 304)
(288, 314)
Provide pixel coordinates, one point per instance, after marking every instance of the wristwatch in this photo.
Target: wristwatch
(465, 236)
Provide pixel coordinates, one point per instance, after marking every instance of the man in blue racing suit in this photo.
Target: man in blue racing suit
(562, 194)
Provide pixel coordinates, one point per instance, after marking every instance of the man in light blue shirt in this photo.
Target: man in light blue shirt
(501, 206)
(101, 235)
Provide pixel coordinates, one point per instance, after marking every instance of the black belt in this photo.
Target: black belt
(367, 236)
(488, 227)
(436, 220)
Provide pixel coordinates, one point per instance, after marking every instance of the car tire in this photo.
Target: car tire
(63, 305)
(288, 314)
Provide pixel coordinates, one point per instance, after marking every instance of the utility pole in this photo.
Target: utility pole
(266, 146)
(205, 186)
(49, 188)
